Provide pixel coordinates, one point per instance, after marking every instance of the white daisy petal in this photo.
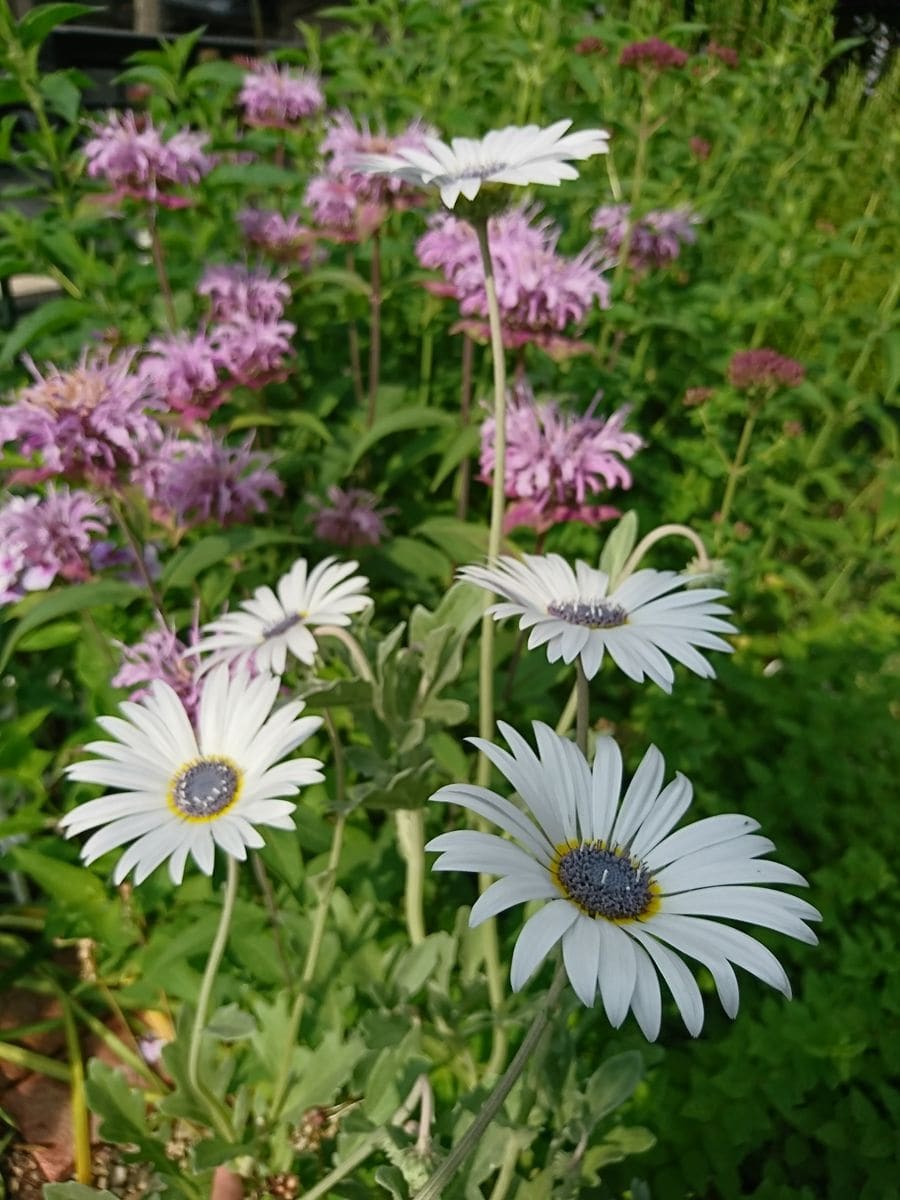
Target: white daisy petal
(626, 895)
(214, 794)
(539, 935)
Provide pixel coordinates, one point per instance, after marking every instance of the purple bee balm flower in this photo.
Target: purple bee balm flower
(253, 351)
(654, 53)
(160, 655)
(42, 537)
(191, 482)
(236, 291)
(284, 238)
(655, 239)
(275, 97)
(351, 518)
(555, 461)
(87, 423)
(346, 140)
(183, 371)
(339, 213)
(131, 155)
(540, 292)
(764, 368)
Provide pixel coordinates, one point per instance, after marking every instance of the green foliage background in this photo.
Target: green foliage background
(796, 251)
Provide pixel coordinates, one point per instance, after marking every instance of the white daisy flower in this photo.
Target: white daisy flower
(517, 154)
(182, 790)
(627, 896)
(575, 615)
(270, 625)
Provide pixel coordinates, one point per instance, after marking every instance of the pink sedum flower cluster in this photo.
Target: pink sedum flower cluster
(555, 461)
(191, 482)
(88, 424)
(764, 368)
(275, 97)
(160, 655)
(350, 518)
(654, 53)
(656, 239)
(540, 292)
(133, 157)
(348, 206)
(45, 537)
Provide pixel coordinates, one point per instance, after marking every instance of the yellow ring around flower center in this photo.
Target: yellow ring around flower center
(205, 789)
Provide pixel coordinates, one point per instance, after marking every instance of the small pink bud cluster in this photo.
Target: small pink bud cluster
(654, 54)
(764, 369)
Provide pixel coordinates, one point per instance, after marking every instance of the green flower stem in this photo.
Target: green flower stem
(268, 895)
(582, 709)
(465, 406)
(217, 1111)
(140, 563)
(318, 929)
(411, 838)
(81, 1123)
(493, 968)
(353, 342)
(30, 1060)
(470, 1139)
(564, 724)
(656, 535)
(356, 652)
(374, 329)
(159, 262)
(737, 466)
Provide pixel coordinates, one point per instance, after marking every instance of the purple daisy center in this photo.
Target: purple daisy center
(205, 788)
(594, 614)
(603, 883)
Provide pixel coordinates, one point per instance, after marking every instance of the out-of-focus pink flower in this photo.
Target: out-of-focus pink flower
(590, 45)
(725, 54)
(183, 370)
(131, 155)
(695, 397)
(160, 655)
(86, 423)
(700, 148)
(350, 518)
(764, 368)
(234, 290)
(276, 97)
(252, 351)
(654, 53)
(555, 460)
(348, 206)
(42, 537)
(191, 482)
(656, 239)
(286, 239)
(540, 293)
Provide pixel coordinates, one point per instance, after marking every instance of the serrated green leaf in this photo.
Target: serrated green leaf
(612, 1084)
(214, 1151)
(230, 1024)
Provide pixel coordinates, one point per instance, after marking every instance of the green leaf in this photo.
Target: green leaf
(10, 92)
(60, 633)
(251, 175)
(75, 1191)
(154, 77)
(221, 74)
(61, 94)
(122, 1114)
(214, 1151)
(75, 598)
(462, 540)
(401, 421)
(464, 443)
(185, 566)
(83, 904)
(46, 318)
(44, 18)
(612, 1084)
(327, 276)
(619, 545)
(230, 1024)
(417, 558)
(391, 1179)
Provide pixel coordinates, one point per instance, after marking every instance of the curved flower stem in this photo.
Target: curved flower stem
(374, 329)
(493, 969)
(217, 1111)
(467, 1143)
(318, 930)
(656, 535)
(159, 262)
(583, 708)
(411, 836)
(357, 654)
(268, 895)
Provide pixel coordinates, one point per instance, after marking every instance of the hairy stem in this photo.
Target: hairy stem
(411, 838)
